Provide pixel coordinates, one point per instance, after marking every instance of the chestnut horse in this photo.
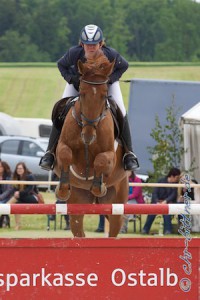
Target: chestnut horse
(88, 161)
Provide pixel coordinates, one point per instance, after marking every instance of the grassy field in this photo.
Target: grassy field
(30, 90)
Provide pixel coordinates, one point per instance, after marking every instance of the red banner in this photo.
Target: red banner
(157, 268)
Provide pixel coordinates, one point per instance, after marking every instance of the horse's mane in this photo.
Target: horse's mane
(99, 59)
(97, 64)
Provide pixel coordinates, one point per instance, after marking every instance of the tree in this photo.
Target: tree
(141, 30)
(14, 47)
(168, 149)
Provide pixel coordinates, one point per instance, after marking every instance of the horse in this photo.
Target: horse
(89, 162)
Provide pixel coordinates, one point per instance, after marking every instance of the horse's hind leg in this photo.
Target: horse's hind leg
(76, 224)
(115, 223)
(120, 197)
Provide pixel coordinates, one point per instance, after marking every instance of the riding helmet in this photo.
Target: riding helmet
(91, 34)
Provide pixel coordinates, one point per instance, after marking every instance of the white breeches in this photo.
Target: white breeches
(69, 91)
(113, 90)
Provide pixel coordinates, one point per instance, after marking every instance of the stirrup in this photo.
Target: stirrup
(130, 162)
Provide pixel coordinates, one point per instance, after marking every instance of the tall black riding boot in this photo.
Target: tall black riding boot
(47, 161)
(130, 160)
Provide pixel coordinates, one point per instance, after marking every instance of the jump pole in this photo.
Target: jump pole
(105, 209)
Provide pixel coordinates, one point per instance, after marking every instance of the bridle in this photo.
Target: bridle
(91, 122)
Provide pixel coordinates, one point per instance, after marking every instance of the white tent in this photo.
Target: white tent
(190, 122)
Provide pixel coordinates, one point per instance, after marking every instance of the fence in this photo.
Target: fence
(103, 268)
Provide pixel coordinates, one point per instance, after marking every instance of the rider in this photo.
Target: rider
(91, 41)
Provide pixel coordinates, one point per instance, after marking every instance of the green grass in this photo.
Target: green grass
(30, 90)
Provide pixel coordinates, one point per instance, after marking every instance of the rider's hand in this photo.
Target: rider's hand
(75, 80)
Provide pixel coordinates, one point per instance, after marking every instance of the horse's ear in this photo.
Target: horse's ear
(80, 67)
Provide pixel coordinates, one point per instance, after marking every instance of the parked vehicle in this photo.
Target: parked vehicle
(31, 127)
(35, 127)
(29, 150)
(8, 125)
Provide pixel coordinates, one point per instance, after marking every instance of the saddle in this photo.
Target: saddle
(60, 110)
(62, 107)
(117, 117)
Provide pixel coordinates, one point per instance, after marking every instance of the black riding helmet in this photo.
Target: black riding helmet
(91, 34)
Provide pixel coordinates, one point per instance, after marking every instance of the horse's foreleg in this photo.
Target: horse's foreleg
(103, 166)
(64, 159)
(63, 190)
(76, 224)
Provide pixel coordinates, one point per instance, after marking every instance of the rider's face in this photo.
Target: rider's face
(91, 49)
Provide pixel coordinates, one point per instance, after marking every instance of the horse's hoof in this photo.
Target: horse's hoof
(62, 194)
(99, 192)
(63, 198)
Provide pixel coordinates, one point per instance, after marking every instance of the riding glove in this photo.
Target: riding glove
(75, 80)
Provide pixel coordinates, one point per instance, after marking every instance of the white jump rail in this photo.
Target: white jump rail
(104, 209)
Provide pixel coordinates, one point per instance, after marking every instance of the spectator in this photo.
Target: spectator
(194, 196)
(163, 195)
(182, 191)
(23, 193)
(5, 191)
(135, 196)
(101, 224)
